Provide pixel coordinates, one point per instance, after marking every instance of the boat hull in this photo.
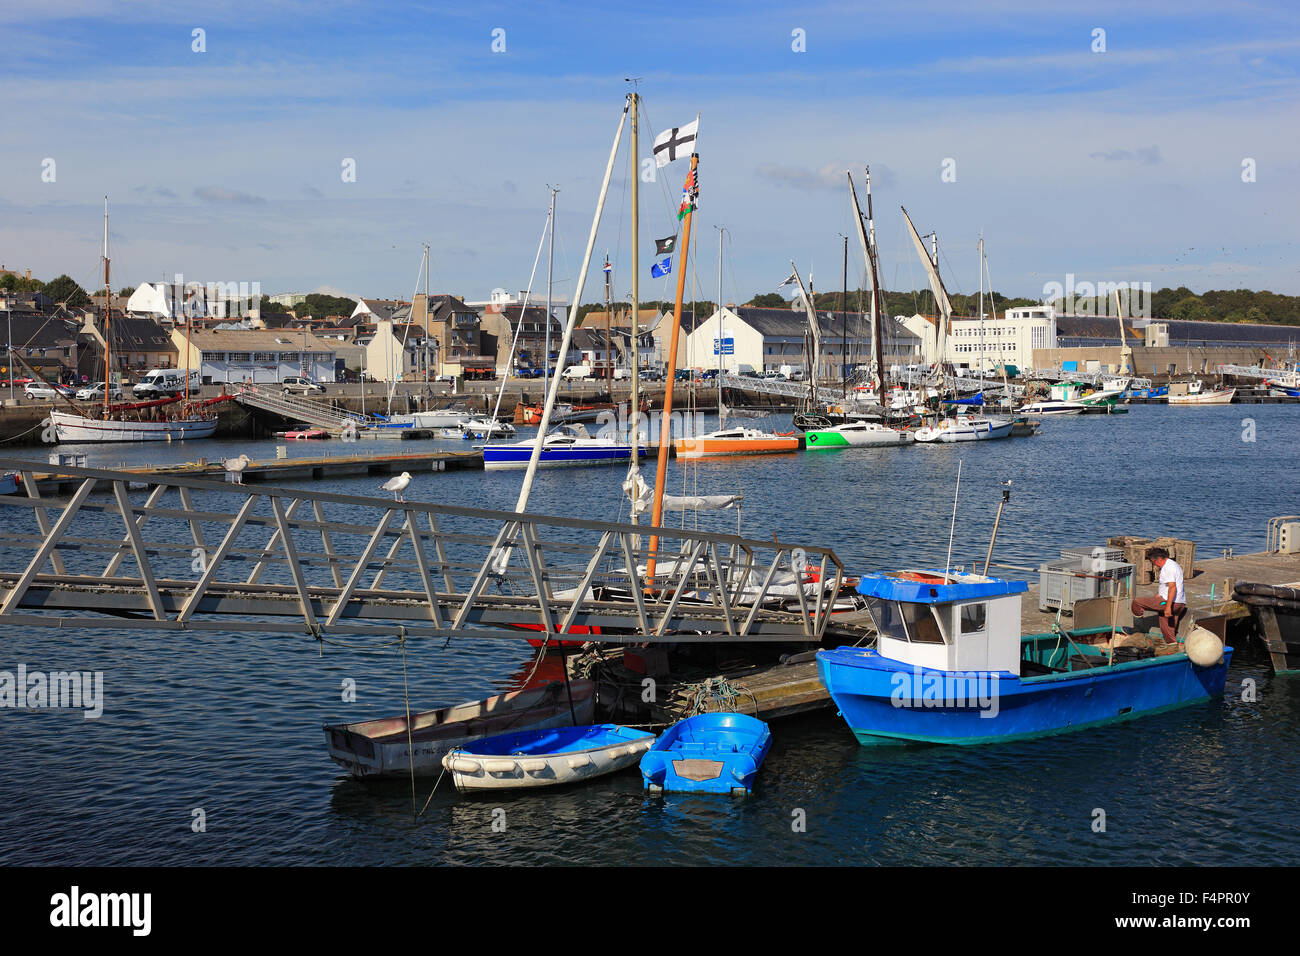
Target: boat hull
(545, 758)
(855, 438)
(503, 457)
(379, 748)
(723, 447)
(972, 431)
(884, 701)
(76, 429)
(707, 753)
(1221, 397)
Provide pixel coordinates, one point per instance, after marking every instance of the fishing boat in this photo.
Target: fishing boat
(856, 434)
(707, 753)
(307, 433)
(1053, 406)
(964, 428)
(566, 446)
(392, 746)
(950, 666)
(735, 441)
(127, 422)
(1195, 393)
(545, 758)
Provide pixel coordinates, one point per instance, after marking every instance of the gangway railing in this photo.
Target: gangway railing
(301, 409)
(181, 554)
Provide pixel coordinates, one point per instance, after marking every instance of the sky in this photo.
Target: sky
(1162, 149)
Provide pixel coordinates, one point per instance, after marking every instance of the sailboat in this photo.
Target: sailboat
(569, 444)
(736, 440)
(864, 433)
(962, 427)
(115, 422)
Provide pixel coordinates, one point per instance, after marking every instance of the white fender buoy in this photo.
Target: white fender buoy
(1204, 648)
(581, 760)
(533, 766)
(499, 766)
(463, 765)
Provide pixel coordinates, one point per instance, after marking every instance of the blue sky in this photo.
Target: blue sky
(225, 165)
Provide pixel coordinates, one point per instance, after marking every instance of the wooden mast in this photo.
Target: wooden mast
(108, 317)
(661, 468)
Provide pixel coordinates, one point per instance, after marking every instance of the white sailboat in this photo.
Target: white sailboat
(114, 423)
(962, 427)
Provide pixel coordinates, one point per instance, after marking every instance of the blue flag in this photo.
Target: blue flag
(662, 268)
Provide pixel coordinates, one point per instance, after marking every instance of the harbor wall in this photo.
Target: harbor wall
(1155, 363)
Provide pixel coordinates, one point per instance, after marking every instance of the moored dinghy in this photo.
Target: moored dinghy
(378, 748)
(708, 753)
(545, 758)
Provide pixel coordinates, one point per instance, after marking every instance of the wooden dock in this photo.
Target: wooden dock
(314, 468)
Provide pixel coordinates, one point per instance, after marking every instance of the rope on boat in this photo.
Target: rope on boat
(410, 744)
(717, 689)
(431, 793)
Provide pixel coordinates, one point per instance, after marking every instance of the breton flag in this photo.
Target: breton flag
(664, 246)
(660, 269)
(675, 143)
(793, 280)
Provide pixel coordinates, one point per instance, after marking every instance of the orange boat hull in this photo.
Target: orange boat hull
(717, 447)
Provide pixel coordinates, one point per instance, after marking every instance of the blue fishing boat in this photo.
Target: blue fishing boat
(951, 666)
(545, 757)
(708, 753)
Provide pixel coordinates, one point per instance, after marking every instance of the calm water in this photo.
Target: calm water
(230, 722)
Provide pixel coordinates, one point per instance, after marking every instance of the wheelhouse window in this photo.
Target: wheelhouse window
(904, 621)
(974, 618)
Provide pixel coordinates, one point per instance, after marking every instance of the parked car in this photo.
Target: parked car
(708, 374)
(39, 390)
(95, 393)
(301, 385)
(652, 375)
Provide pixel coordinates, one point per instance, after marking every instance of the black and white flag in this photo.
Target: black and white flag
(675, 143)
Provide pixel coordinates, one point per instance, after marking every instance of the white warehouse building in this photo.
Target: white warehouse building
(1009, 340)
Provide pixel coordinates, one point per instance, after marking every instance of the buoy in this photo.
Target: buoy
(1204, 648)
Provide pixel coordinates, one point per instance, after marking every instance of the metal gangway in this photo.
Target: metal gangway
(181, 554)
(834, 395)
(1252, 371)
(301, 409)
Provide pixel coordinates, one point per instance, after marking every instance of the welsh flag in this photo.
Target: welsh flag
(690, 195)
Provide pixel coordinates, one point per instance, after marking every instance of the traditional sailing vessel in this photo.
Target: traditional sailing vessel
(134, 421)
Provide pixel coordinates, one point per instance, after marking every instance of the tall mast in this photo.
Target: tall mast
(553, 388)
(661, 468)
(944, 307)
(634, 320)
(108, 318)
(867, 236)
(550, 270)
(721, 230)
(981, 245)
(609, 356)
(844, 337)
(426, 320)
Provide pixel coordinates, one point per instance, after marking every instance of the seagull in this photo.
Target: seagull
(235, 468)
(397, 485)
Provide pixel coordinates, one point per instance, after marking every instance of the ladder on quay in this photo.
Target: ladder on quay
(301, 409)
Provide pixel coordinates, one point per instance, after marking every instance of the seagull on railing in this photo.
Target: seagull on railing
(235, 468)
(397, 485)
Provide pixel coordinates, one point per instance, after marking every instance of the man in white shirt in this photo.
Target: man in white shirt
(1170, 600)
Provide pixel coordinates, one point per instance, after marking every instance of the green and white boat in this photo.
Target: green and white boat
(856, 434)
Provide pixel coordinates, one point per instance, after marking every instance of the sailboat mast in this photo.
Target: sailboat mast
(721, 230)
(661, 467)
(529, 475)
(108, 318)
(844, 338)
(634, 320)
(981, 264)
(426, 319)
(550, 271)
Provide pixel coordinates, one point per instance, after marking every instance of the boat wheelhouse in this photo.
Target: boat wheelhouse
(950, 666)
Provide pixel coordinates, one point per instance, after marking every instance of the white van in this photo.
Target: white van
(158, 382)
(577, 371)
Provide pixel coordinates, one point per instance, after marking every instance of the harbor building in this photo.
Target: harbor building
(1008, 340)
(766, 339)
(254, 356)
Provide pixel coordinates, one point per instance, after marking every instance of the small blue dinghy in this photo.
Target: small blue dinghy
(708, 753)
(546, 757)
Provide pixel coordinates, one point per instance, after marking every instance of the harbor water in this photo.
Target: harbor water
(225, 728)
